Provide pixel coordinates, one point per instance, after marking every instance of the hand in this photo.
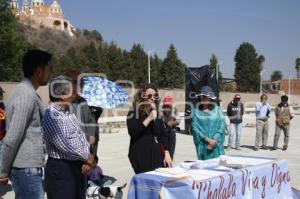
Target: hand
(209, 147)
(168, 160)
(92, 140)
(91, 161)
(153, 115)
(212, 142)
(85, 168)
(4, 181)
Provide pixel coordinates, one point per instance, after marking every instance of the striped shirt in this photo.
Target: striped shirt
(63, 136)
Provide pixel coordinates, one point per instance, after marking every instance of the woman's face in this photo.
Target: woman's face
(151, 95)
(204, 98)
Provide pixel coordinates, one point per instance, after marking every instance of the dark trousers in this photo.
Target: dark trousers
(63, 179)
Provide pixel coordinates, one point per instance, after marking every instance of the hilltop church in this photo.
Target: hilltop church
(37, 14)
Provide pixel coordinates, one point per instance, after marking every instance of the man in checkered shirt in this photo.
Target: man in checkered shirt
(67, 147)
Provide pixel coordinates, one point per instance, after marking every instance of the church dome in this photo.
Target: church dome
(55, 5)
(37, 2)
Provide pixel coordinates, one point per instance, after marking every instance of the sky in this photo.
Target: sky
(197, 28)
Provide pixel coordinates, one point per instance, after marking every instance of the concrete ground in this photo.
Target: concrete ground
(114, 148)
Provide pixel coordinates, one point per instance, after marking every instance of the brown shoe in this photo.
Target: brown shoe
(238, 148)
(229, 148)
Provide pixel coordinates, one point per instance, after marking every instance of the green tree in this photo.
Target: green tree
(172, 70)
(276, 75)
(12, 45)
(155, 69)
(215, 66)
(247, 68)
(114, 61)
(127, 67)
(94, 35)
(139, 64)
(297, 67)
(91, 57)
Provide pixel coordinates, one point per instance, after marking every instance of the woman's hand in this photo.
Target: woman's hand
(210, 147)
(168, 160)
(211, 142)
(152, 116)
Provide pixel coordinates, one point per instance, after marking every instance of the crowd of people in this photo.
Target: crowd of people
(66, 133)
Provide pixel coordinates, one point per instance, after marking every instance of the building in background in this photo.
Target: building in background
(37, 14)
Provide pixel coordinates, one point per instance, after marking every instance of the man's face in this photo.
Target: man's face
(264, 99)
(44, 74)
(237, 99)
(68, 96)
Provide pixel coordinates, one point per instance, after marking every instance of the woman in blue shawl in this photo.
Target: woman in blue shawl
(208, 126)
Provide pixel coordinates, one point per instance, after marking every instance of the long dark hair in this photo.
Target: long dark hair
(139, 103)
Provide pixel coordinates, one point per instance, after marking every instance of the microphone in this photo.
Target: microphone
(155, 122)
(153, 106)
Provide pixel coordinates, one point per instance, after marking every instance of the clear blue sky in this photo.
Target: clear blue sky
(197, 28)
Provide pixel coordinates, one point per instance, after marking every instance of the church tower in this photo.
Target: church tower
(14, 4)
(37, 3)
(25, 6)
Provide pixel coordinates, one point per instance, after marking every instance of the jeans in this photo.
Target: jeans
(235, 134)
(27, 183)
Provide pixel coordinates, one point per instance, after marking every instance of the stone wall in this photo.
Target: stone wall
(248, 99)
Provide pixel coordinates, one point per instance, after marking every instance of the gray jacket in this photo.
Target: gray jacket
(84, 115)
(23, 143)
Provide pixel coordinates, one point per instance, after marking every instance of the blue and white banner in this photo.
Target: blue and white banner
(270, 180)
(266, 181)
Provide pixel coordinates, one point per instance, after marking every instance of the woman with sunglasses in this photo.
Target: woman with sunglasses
(208, 126)
(148, 149)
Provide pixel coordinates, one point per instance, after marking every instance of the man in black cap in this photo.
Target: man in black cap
(235, 111)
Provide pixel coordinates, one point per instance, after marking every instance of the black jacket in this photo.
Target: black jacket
(171, 140)
(235, 112)
(147, 144)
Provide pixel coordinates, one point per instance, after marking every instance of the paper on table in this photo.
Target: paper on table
(188, 164)
(247, 161)
(224, 168)
(200, 164)
(172, 171)
(202, 174)
(161, 174)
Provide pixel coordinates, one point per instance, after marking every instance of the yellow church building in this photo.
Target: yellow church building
(37, 14)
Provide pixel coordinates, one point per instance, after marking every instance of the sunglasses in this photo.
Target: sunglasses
(150, 96)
